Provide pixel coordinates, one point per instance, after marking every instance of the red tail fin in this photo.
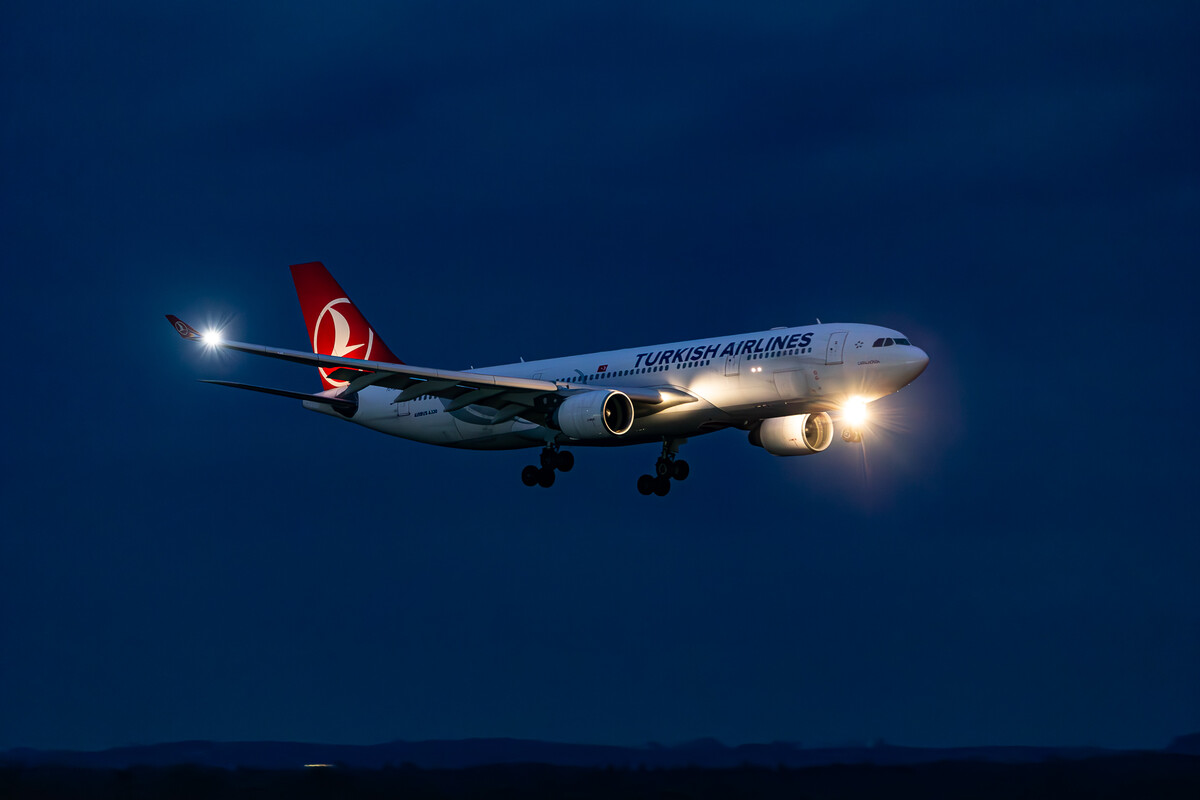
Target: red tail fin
(335, 325)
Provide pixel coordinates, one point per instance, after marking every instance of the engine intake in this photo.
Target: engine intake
(799, 435)
(597, 414)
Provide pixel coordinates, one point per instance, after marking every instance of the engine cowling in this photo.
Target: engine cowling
(799, 435)
(598, 414)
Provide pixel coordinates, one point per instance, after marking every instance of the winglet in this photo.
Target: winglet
(184, 330)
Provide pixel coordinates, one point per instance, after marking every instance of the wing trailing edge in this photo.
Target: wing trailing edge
(502, 392)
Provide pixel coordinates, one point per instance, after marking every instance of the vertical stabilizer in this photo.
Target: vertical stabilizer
(335, 325)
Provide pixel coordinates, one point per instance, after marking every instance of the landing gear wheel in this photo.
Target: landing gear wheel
(680, 470)
(552, 458)
(529, 475)
(545, 477)
(666, 469)
(851, 435)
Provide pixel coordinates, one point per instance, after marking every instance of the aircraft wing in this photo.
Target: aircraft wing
(511, 396)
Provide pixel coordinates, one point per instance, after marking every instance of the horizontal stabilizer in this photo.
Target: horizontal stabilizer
(336, 402)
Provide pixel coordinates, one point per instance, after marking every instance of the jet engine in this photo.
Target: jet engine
(597, 414)
(797, 435)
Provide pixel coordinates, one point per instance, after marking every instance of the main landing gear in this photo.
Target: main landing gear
(851, 435)
(552, 459)
(666, 468)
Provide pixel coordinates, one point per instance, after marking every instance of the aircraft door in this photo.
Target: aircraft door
(733, 365)
(833, 352)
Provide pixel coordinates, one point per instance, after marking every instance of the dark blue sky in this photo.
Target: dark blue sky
(1017, 189)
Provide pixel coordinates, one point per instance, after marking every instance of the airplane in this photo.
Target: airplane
(778, 385)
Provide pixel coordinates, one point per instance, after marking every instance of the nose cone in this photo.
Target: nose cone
(914, 364)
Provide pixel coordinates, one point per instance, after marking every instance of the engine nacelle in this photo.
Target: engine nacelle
(798, 435)
(597, 414)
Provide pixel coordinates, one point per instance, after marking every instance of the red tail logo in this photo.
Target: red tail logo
(335, 325)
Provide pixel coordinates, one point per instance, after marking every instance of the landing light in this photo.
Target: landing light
(212, 337)
(854, 412)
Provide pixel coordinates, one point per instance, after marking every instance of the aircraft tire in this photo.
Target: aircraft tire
(646, 484)
(545, 477)
(529, 475)
(662, 485)
(680, 470)
(565, 461)
(662, 468)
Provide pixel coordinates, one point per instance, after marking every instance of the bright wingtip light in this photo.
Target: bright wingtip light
(212, 337)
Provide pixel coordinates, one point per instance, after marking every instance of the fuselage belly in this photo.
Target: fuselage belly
(729, 382)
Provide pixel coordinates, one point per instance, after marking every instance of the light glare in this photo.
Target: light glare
(854, 412)
(212, 337)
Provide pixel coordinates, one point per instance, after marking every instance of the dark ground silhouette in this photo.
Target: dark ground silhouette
(1143, 775)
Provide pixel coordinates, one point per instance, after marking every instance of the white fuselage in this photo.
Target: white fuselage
(735, 380)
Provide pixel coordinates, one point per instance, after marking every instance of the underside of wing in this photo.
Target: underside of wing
(511, 396)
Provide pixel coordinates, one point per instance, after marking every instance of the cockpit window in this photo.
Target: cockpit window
(888, 342)
(878, 343)
(903, 341)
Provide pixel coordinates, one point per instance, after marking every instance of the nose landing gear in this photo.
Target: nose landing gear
(666, 468)
(552, 459)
